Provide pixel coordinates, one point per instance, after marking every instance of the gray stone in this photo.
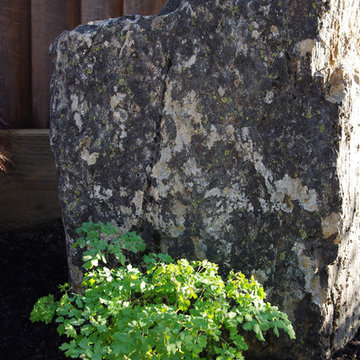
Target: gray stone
(225, 130)
(170, 6)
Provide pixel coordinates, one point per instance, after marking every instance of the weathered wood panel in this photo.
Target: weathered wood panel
(15, 86)
(28, 192)
(92, 10)
(48, 20)
(143, 7)
(26, 30)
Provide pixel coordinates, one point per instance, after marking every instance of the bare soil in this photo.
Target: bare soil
(33, 264)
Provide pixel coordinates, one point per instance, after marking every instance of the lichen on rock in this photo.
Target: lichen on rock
(223, 130)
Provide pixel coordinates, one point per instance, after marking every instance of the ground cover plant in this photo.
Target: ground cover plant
(161, 309)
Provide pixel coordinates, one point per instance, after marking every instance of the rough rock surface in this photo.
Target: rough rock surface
(225, 130)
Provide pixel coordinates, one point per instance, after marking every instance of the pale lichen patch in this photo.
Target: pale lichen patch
(213, 192)
(234, 198)
(294, 189)
(89, 158)
(175, 230)
(213, 137)
(330, 224)
(78, 122)
(260, 275)
(74, 102)
(274, 30)
(138, 202)
(117, 100)
(189, 63)
(161, 169)
(120, 115)
(179, 211)
(269, 97)
(304, 47)
(200, 247)
(311, 275)
(177, 186)
(191, 168)
(102, 194)
(255, 34)
(185, 115)
(128, 43)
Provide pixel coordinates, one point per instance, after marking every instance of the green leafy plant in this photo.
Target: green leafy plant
(161, 309)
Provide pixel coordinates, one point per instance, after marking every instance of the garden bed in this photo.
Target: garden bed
(33, 263)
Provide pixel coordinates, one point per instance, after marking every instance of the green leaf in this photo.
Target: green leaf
(171, 348)
(166, 258)
(44, 309)
(94, 262)
(64, 287)
(264, 326)
(87, 265)
(258, 332)
(247, 326)
(86, 329)
(84, 343)
(276, 331)
(240, 342)
(248, 317)
(65, 346)
(150, 259)
(70, 330)
(61, 329)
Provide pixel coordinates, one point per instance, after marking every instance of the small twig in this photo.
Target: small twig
(3, 157)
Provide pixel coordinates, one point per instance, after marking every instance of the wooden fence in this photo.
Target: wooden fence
(27, 27)
(28, 192)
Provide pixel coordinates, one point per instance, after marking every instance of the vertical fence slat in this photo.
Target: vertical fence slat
(143, 7)
(48, 19)
(15, 78)
(92, 10)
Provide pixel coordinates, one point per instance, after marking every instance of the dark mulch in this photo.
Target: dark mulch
(32, 264)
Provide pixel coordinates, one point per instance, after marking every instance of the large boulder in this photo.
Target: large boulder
(225, 130)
